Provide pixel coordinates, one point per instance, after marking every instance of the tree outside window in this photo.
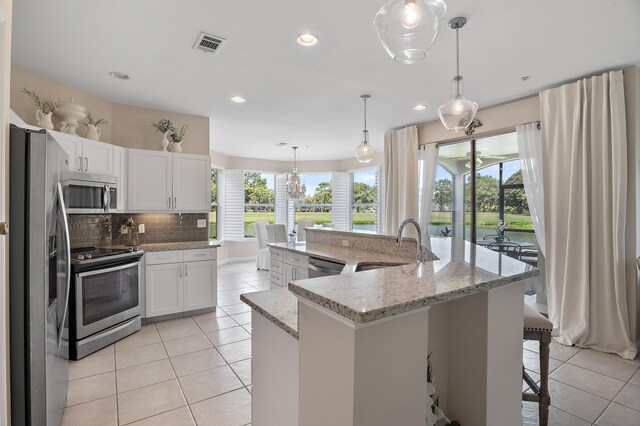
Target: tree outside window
(259, 200)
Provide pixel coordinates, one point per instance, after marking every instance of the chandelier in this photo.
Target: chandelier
(294, 187)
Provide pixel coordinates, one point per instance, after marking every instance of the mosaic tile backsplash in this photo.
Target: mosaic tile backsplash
(92, 230)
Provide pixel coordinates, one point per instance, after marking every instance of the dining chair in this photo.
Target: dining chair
(301, 234)
(509, 248)
(276, 233)
(262, 257)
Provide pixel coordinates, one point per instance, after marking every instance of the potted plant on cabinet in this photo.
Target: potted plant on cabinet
(165, 127)
(93, 126)
(44, 109)
(176, 138)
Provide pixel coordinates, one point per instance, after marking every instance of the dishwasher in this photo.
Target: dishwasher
(323, 268)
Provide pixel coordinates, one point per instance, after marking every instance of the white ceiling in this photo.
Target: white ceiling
(310, 96)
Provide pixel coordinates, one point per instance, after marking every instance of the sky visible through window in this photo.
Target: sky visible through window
(312, 180)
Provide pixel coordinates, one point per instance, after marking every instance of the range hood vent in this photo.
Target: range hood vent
(209, 43)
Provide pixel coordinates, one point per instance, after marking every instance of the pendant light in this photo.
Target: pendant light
(458, 113)
(408, 28)
(365, 152)
(294, 187)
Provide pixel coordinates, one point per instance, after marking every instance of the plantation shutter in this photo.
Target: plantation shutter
(281, 198)
(340, 196)
(291, 215)
(234, 205)
(378, 198)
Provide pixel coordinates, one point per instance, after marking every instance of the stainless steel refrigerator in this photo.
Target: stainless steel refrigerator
(39, 279)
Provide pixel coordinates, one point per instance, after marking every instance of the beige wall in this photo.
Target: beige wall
(49, 89)
(130, 125)
(132, 129)
(496, 119)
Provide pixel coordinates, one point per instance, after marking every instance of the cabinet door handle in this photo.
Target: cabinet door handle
(169, 202)
(180, 268)
(186, 270)
(86, 164)
(80, 164)
(175, 202)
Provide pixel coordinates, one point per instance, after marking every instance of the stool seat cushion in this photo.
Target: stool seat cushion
(535, 321)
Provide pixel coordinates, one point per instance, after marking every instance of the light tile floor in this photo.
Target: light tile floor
(197, 370)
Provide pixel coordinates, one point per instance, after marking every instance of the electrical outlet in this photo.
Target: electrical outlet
(141, 228)
(202, 223)
(345, 243)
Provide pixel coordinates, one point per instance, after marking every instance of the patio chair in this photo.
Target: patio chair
(300, 233)
(509, 248)
(262, 258)
(495, 237)
(529, 255)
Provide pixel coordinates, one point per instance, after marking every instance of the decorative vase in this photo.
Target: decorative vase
(93, 132)
(165, 141)
(175, 147)
(69, 114)
(44, 120)
(134, 239)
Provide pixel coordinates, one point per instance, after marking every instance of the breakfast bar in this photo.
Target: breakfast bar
(361, 340)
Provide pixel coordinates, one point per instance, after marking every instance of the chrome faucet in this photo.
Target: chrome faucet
(421, 256)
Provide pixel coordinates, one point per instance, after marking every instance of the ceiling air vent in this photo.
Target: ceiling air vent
(209, 43)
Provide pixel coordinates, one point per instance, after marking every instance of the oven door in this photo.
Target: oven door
(105, 297)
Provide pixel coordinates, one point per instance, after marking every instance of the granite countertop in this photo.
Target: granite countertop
(461, 269)
(279, 306)
(350, 257)
(183, 245)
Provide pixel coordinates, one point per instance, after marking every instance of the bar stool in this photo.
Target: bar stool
(537, 327)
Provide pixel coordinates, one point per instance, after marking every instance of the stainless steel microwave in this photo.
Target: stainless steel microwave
(86, 193)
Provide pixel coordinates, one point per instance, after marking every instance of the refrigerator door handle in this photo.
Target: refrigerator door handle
(67, 256)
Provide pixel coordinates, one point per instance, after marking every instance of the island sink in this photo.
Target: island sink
(368, 266)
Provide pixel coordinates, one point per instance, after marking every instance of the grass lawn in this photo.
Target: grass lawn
(359, 218)
(485, 220)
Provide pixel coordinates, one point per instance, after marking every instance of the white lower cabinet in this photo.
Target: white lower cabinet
(176, 282)
(164, 289)
(292, 273)
(198, 291)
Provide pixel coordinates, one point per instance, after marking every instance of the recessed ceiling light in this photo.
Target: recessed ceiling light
(525, 78)
(420, 107)
(307, 40)
(119, 75)
(238, 99)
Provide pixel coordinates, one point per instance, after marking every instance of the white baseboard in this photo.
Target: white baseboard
(235, 260)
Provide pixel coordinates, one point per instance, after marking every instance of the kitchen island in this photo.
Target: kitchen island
(358, 353)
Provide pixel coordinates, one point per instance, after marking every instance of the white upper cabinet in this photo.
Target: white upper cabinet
(150, 181)
(120, 171)
(164, 181)
(86, 155)
(97, 157)
(191, 182)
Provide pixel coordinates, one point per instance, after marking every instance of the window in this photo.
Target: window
(213, 214)
(364, 196)
(259, 200)
(316, 205)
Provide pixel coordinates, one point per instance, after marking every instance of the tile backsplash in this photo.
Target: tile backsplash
(95, 230)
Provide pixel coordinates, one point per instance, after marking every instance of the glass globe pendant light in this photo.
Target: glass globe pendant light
(365, 152)
(294, 187)
(458, 113)
(408, 28)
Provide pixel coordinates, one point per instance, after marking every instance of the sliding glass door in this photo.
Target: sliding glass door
(478, 188)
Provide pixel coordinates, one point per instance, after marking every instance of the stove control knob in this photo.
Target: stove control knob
(88, 255)
(81, 257)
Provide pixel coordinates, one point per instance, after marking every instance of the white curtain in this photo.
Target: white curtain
(428, 164)
(530, 150)
(401, 178)
(584, 152)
